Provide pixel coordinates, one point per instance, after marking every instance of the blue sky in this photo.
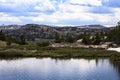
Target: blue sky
(60, 12)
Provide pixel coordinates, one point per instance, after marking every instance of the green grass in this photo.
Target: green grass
(67, 52)
(77, 52)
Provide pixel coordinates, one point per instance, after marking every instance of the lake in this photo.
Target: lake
(53, 69)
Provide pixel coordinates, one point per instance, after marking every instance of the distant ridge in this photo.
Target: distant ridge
(33, 31)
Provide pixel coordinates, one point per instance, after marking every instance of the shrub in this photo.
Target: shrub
(43, 43)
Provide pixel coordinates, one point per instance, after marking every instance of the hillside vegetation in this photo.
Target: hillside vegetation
(42, 48)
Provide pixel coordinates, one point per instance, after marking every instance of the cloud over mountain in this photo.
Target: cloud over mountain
(67, 12)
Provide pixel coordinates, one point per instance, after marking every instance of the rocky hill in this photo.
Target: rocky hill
(81, 29)
(9, 27)
(33, 31)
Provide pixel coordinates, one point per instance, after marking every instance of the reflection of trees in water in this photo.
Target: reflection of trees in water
(96, 60)
(116, 65)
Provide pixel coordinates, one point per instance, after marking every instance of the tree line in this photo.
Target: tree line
(87, 38)
(9, 39)
(114, 35)
(91, 39)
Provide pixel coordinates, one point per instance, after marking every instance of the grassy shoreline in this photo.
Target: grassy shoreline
(66, 52)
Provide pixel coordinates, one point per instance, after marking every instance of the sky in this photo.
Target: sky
(60, 12)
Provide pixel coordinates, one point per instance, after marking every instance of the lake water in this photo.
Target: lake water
(52, 69)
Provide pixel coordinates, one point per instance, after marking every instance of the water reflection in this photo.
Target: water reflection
(51, 69)
(116, 65)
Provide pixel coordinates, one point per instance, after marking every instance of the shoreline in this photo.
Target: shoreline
(114, 49)
(66, 52)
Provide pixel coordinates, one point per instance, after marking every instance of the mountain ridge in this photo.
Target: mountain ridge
(33, 31)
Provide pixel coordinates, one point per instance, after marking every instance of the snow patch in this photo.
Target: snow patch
(114, 49)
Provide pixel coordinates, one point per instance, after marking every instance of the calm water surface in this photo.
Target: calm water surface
(51, 69)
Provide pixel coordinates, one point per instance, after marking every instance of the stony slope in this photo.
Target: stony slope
(32, 31)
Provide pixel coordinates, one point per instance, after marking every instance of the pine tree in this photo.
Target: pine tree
(9, 40)
(114, 35)
(98, 39)
(57, 38)
(69, 38)
(86, 39)
(2, 36)
(22, 40)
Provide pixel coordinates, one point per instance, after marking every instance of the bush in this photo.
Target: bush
(43, 43)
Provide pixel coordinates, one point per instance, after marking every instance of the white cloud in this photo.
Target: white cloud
(2, 0)
(109, 19)
(67, 10)
(65, 7)
(46, 5)
(117, 13)
(8, 18)
(105, 0)
(58, 16)
(102, 18)
(25, 5)
(87, 2)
